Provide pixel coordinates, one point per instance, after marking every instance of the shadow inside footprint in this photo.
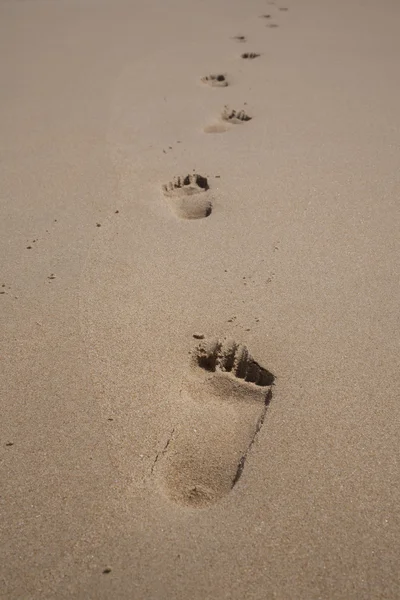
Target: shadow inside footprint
(223, 405)
(185, 196)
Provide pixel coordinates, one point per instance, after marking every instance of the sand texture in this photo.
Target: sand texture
(199, 299)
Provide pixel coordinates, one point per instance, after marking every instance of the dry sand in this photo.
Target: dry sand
(123, 436)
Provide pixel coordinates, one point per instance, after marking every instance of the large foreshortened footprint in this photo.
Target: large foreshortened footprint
(187, 196)
(222, 406)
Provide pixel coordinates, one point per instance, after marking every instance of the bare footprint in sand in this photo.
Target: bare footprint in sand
(250, 55)
(240, 38)
(187, 196)
(228, 116)
(215, 80)
(222, 407)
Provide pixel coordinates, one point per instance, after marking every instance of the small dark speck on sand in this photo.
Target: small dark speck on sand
(107, 570)
(10, 444)
(116, 212)
(29, 247)
(98, 224)
(198, 336)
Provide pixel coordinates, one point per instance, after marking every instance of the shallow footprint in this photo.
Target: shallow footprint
(186, 196)
(228, 116)
(223, 405)
(240, 38)
(250, 55)
(215, 80)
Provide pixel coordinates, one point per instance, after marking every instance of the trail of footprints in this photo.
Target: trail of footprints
(226, 392)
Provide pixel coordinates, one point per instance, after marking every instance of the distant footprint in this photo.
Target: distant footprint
(186, 197)
(240, 38)
(250, 55)
(215, 80)
(222, 405)
(228, 116)
(234, 116)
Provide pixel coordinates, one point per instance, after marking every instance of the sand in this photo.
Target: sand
(199, 299)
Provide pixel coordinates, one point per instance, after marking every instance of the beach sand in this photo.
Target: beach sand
(199, 299)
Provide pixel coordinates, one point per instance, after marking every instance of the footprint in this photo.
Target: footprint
(228, 116)
(222, 405)
(240, 38)
(186, 196)
(233, 116)
(215, 80)
(265, 16)
(250, 55)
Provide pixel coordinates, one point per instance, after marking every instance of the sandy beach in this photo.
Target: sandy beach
(199, 291)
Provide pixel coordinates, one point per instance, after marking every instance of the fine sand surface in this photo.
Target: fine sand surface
(199, 299)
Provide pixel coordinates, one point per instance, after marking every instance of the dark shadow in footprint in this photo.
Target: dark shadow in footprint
(240, 38)
(215, 80)
(185, 196)
(265, 16)
(250, 55)
(222, 407)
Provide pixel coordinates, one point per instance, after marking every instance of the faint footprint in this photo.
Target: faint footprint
(187, 198)
(223, 404)
(215, 80)
(239, 38)
(228, 116)
(250, 55)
